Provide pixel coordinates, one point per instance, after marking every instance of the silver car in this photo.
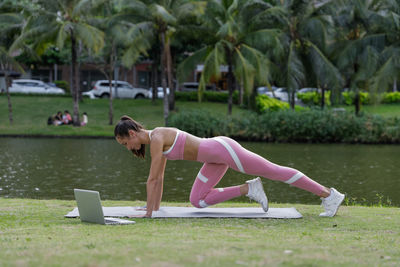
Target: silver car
(120, 89)
(28, 86)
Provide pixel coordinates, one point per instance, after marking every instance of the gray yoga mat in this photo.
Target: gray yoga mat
(191, 212)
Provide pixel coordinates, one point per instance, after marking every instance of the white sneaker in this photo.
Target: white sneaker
(256, 192)
(332, 203)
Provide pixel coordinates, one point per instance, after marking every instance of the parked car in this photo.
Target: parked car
(264, 89)
(280, 94)
(28, 86)
(120, 89)
(160, 92)
(307, 90)
(194, 86)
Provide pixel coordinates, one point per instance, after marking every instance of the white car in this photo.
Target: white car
(307, 90)
(27, 86)
(160, 92)
(280, 94)
(120, 89)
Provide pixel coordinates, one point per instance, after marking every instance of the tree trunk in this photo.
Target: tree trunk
(292, 100)
(322, 97)
(170, 76)
(10, 115)
(75, 90)
(163, 79)
(110, 78)
(230, 81)
(239, 86)
(154, 79)
(395, 85)
(357, 102)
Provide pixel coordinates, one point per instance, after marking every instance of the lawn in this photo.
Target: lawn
(35, 233)
(30, 114)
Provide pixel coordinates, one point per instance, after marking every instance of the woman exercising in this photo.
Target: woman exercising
(218, 154)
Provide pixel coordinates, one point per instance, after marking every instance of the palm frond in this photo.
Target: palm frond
(91, 37)
(295, 72)
(244, 71)
(268, 40)
(161, 14)
(328, 75)
(188, 65)
(212, 64)
(349, 55)
(258, 61)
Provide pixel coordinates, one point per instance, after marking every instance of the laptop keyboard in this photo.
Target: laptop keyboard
(111, 221)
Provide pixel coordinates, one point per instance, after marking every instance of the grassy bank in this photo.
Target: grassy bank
(31, 112)
(35, 233)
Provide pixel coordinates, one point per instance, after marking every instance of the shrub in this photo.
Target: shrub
(265, 103)
(314, 98)
(389, 98)
(208, 96)
(349, 97)
(288, 126)
(62, 84)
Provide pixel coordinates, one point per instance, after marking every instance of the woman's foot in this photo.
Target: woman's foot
(332, 203)
(256, 192)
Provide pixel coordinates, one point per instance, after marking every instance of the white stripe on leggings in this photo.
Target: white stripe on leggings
(202, 177)
(294, 178)
(231, 152)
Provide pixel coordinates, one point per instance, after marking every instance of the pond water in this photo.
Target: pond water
(52, 168)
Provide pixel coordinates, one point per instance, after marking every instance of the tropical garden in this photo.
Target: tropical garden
(348, 50)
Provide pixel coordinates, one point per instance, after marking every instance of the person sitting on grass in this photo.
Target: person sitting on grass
(66, 118)
(57, 120)
(84, 119)
(218, 154)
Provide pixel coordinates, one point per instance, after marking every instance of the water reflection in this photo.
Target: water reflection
(51, 168)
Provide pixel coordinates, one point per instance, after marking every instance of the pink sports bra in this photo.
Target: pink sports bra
(175, 152)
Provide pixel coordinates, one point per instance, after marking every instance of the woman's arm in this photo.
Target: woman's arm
(156, 176)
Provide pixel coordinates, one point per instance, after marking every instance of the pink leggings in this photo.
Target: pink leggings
(221, 153)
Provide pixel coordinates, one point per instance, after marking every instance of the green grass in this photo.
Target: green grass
(386, 110)
(30, 114)
(35, 233)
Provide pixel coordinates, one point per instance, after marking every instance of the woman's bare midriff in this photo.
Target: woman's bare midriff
(191, 147)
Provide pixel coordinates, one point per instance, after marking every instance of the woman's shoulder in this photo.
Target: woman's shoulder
(163, 133)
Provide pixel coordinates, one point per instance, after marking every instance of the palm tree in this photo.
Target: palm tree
(58, 22)
(359, 42)
(10, 26)
(389, 59)
(7, 65)
(157, 19)
(306, 33)
(237, 37)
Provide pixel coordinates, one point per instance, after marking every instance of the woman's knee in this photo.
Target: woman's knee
(198, 202)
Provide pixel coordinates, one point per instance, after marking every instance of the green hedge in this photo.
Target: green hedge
(290, 126)
(314, 98)
(265, 103)
(349, 97)
(63, 85)
(208, 96)
(390, 98)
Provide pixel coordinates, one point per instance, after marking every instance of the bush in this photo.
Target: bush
(208, 96)
(289, 126)
(390, 98)
(314, 98)
(265, 103)
(349, 97)
(63, 85)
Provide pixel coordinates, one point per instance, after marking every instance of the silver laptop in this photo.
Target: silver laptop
(90, 209)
